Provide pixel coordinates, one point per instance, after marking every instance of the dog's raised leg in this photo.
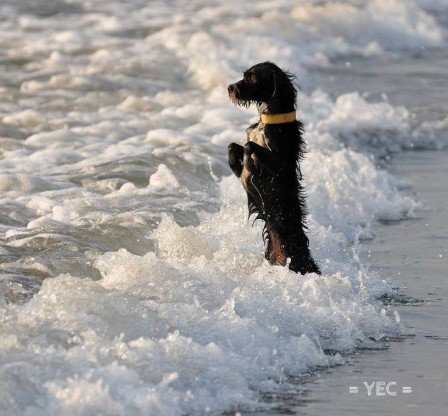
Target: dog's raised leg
(263, 157)
(248, 161)
(235, 158)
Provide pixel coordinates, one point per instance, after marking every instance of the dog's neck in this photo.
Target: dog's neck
(281, 118)
(275, 112)
(275, 107)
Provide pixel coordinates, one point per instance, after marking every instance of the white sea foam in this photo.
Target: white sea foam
(151, 295)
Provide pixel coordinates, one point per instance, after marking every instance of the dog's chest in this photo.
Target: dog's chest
(256, 134)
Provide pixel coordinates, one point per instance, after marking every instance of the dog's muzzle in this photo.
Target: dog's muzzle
(231, 89)
(236, 94)
(233, 94)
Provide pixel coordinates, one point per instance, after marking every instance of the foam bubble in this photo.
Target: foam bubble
(163, 178)
(24, 183)
(26, 118)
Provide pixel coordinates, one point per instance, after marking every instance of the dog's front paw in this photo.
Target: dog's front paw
(250, 158)
(250, 147)
(235, 158)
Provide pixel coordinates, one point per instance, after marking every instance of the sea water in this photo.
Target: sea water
(132, 282)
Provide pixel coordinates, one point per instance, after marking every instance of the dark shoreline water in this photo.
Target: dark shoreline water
(414, 254)
(415, 80)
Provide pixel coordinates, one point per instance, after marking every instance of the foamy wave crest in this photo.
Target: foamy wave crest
(372, 25)
(202, 325)
(375, 128)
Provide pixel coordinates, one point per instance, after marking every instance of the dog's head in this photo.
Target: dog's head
(263, 82)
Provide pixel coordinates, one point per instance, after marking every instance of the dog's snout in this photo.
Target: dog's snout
(235, 95)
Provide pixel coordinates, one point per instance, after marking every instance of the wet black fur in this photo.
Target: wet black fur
(274, 190)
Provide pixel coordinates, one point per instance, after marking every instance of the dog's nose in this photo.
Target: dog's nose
(231, 88)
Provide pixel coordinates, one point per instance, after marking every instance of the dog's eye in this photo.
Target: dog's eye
(252, 79)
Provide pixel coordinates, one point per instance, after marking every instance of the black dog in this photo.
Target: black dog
(268, 164)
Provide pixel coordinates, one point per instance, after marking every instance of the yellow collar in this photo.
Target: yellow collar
(278, 118)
